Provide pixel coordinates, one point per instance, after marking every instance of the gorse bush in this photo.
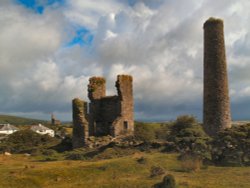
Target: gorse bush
(144, 132)
(26, 141)
(167, 182)
(142, 160)
(190, 138)
(163, 132)
(232, 146)
(29, 138)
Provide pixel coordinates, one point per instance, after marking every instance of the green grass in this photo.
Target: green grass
(14, 120)
(18, 171)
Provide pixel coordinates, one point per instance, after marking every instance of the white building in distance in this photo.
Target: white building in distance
(7, 129)
(40, 129)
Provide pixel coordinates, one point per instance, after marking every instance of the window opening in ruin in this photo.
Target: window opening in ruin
(125, 125)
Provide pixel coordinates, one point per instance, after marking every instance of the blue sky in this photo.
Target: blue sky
(50, 48)
(82, 37)
(39, 6)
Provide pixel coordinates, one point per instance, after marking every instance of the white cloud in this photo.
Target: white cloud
(159, 42)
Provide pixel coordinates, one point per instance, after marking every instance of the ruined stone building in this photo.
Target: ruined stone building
(55, 121)
(105, 115)
(216, 103)
(111, 115)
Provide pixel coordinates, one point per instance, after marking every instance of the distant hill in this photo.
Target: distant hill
(14, 120)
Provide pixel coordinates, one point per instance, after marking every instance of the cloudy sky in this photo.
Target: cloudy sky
(50, 48)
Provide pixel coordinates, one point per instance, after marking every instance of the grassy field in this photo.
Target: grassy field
(19, 120)
(18, 171)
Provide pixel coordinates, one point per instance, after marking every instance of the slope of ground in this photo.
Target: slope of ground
(19, 120)
(18, 171)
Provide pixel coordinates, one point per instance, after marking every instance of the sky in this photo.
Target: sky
(50, 48)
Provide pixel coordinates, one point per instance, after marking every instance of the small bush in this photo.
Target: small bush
(25, 141)
(156, 171)
(190, 138)
(167, 182)
(64, 145)
(29, 138)
(144, 132)
(142, 160)
(163, 132)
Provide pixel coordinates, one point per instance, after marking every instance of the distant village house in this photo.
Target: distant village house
(40, 129)
(7, 129)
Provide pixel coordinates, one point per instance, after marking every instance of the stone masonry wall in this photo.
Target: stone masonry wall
(80, 123)
(96, 91)
(216, 103)
(96, 88)
(111, 115)
(124, 85)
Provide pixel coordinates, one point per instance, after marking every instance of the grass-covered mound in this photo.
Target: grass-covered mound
(27, 141)
(14, 120)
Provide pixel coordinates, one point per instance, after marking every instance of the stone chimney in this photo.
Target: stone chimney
(216, 102)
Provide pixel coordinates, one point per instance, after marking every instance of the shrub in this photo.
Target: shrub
(167, 182)
(144, 132)
(190, 138)
(232, 146)
(64, 145)
(27, 140)
(163, 132)
(142, 160)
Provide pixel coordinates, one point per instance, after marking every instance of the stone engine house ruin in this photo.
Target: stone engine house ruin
(111, 115)
(106, 115)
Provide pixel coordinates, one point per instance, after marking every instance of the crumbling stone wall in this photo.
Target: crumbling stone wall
(124, 85)
(96, 91)
(80, 123)
(216, 107)
(111, 115)
(96, 88)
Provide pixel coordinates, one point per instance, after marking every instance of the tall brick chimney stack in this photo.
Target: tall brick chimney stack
(216, 102)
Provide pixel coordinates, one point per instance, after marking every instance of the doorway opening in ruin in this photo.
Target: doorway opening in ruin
(125, 125)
